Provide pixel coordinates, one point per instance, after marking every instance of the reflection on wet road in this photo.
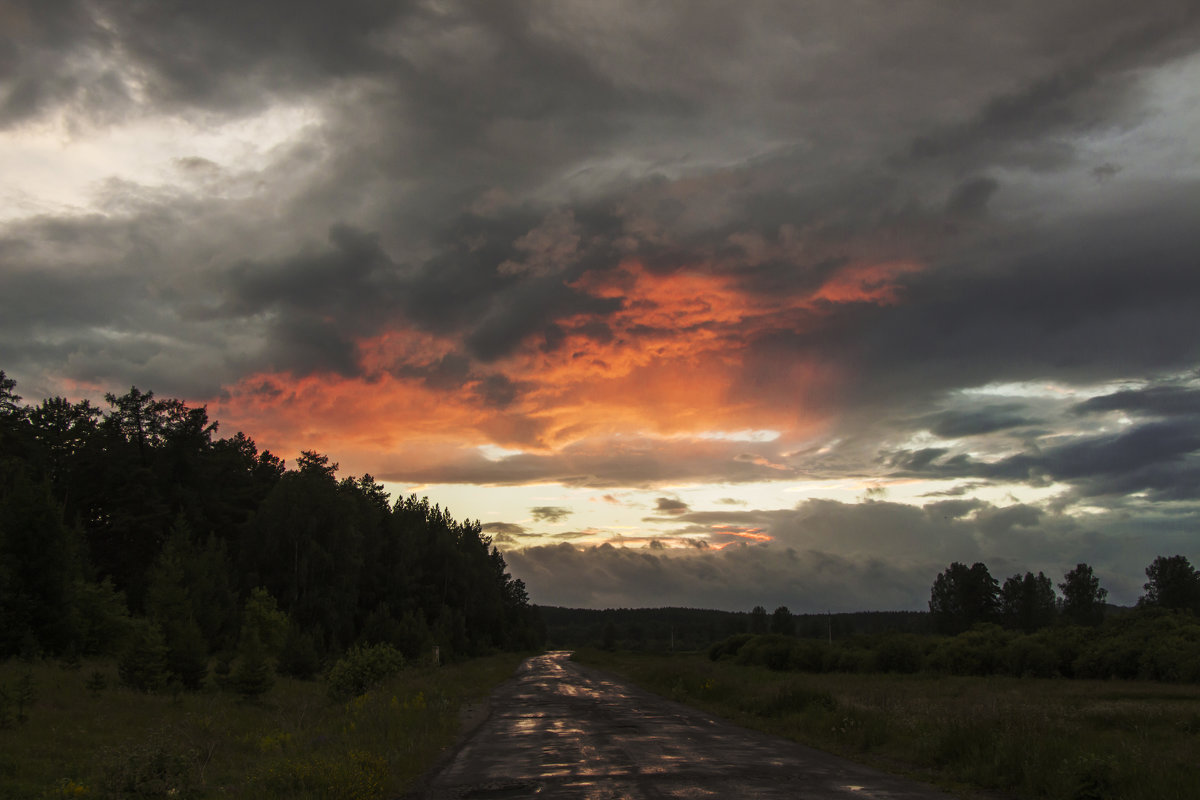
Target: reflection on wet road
(562, 731)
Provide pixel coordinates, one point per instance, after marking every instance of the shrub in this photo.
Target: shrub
(1026, 657)
(149, 771)
(899, 653)
(770, 650)
(361, 668)
(729, 647)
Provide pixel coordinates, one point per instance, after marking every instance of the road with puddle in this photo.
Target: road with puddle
(559, 730)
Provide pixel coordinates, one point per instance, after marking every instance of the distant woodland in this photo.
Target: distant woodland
(134, 528)
(975, 625)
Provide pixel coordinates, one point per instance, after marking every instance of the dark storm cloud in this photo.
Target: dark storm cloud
(1152, 401)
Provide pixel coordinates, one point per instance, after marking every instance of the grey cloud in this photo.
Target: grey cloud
(1159, 458)
(509, 529)
(670, 506)
(550, 513)
(837, 556)
(970, 198)
(1153, 400)
(987, 419)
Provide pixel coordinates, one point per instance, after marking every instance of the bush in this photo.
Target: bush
(150, 771)
(729, 647)
(899, 653)
(1025, 657)
(361, 668)
(770, 650)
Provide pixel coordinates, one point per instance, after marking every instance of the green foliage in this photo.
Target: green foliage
(963, 596)
(102, 621)
(361, 668)
(609, 640)
(901, 653)
(178, 523)
(758, 620)
(96, 683)
(187, 652)
(299, 658)
(152, 770)
(1027, 603)
(355, 775)
(730, 647)
(1083, 599)
(1053, 739)
(1174, 584)
(37, 568)
(782, 622)
(220, 744)
(253, 675)
(24, 696)
(262, 618)
(143, 662)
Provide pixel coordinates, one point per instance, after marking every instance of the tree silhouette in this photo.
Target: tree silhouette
(758, 620)
(963, 596)
(1083, 599)
(783, 622)
(1174, 584)
(1027, 602)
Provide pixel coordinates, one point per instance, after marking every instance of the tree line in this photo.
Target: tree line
(963, 596)
(136, 522)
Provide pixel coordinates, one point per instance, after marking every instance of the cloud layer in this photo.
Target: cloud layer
(628, 246)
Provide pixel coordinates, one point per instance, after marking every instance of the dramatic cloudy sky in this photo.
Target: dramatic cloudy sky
(689, 303)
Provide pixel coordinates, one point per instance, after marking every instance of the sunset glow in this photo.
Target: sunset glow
(796, 314)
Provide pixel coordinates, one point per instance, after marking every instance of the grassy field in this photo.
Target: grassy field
(1021, 737)
(80, 740)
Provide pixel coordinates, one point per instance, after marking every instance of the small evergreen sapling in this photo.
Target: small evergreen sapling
(253, 676)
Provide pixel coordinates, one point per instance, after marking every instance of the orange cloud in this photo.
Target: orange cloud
(667, 363)
(742, 532)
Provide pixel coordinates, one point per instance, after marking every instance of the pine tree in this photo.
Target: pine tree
(253, 676)
(143, 664)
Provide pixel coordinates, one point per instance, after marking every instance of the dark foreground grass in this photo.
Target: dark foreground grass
(1023, 737)
(79, 740)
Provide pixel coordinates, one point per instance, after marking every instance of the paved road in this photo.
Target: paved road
(563, 731)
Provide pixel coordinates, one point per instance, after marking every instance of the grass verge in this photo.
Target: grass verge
(81, 736)
(1027, 737)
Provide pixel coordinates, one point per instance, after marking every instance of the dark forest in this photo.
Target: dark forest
(138, 526)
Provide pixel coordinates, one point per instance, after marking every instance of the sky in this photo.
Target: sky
(691, 304)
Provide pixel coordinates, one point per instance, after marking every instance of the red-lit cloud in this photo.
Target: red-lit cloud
(667, 364)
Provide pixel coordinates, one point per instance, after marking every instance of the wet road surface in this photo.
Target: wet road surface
(563, 731)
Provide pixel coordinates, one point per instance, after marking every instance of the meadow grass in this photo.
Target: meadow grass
(1023, 737)
(79, 740)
